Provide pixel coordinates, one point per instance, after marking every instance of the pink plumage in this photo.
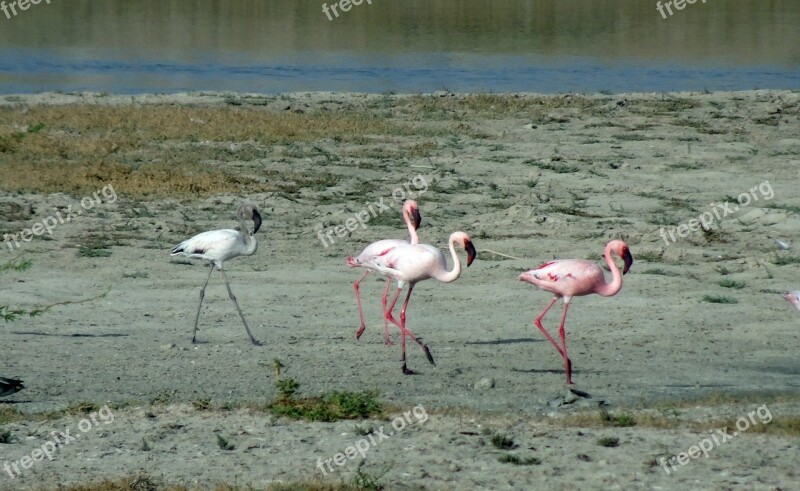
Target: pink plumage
(569, 278)
(793, 298)
(374, 251)
(413, 263)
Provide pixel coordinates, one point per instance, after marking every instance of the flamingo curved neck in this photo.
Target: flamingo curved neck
(610, 289)
(449, 276)
(250, 241)
(412, 232)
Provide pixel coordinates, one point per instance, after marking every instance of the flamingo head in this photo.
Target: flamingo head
(621, 249)
(411, 208)
(464, 241)
(249, 212)
(793, 298)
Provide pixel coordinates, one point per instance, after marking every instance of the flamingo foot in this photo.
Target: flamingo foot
(408, 371)
(429, 355)
(360, 331)
(256, 342)
(387, 340)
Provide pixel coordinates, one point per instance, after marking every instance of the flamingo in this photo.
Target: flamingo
(569, 278)
(218, 246)
(413, 263)
(10, 386)
(793, 298)
(367, 257)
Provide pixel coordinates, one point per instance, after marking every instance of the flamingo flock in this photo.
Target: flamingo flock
(408, 262)
(411, 262)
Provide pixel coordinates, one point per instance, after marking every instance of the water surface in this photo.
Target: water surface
(119, 46)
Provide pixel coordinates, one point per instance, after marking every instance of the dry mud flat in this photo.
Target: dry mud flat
(527, 176)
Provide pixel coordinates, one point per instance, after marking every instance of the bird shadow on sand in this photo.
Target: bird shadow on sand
(26, 401)
(507, 341)
(545, 370)
(74, 335)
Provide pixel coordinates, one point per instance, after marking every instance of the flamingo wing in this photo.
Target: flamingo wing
(409, 263)
(567, 277)
(207, 242)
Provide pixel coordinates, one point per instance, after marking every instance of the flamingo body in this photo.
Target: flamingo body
(412, 263)
(568, 278)
(218, 246)
(369, 257)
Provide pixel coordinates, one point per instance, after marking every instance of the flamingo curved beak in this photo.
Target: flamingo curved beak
(416, 217)
(628, 259)
(471, 252)
(256, 220)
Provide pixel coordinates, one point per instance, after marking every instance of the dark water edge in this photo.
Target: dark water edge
(409, 46)
(350, 74)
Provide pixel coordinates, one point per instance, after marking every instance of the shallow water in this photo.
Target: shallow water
(119, 46)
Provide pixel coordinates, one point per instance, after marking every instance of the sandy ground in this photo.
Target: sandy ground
(558, 184)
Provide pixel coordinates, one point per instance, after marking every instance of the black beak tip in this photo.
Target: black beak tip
(628, 259)
(417, 218)
(471, 253)
(256, 220)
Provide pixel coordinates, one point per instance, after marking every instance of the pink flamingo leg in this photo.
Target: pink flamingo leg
(405, 332)
(358, 302)
(387, 340)
(562, 352)
(567, 363)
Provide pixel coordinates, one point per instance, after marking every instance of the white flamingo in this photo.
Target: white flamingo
(375, 250)
(218, 246)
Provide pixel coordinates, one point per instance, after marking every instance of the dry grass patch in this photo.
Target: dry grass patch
(134, 125)
(148, 180)
(145, 483)
(156, 151)
(497, 106)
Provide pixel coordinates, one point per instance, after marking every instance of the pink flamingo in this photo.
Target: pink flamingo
(413, 263)
(793, 298)
(367, 260)
(573, 278)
